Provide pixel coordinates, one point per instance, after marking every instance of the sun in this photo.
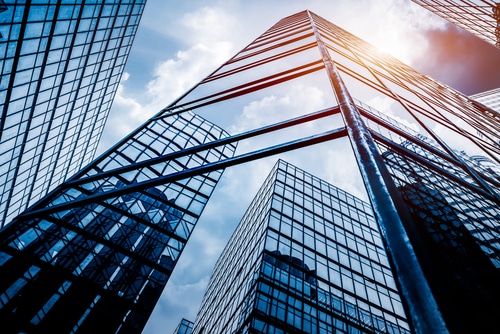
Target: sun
(396, 42)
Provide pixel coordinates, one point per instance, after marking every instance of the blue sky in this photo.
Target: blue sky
(179, 42)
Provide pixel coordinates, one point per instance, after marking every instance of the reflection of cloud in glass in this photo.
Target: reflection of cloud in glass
(246, 20)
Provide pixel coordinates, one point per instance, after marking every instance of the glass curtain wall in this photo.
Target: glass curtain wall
(60, 65)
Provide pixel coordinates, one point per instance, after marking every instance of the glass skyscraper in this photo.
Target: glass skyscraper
(184, 327)
(457, 250)
(60, 65)
(426, 155)
(400, 138)
(306, 257)
(97, 252)
(480, 17)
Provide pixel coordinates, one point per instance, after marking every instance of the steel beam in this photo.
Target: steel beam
(183, 174)
(423, 310)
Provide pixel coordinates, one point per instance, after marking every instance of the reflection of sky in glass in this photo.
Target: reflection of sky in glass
(122, 245)
(385, 87)
(60, 68)
(333, 241)
(399, 104)
(480, 17)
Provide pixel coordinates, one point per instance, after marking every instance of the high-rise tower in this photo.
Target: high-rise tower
(405, 129)
(96, 253)
(392, 127)
(184, 327)
(306, 257)
(480, 17)
(61, 62)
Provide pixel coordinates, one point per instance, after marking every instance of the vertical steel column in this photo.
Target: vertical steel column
(424, 313)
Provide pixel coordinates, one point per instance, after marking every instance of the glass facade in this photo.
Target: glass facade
(414, 142)
(490, 99)
(60, 65)
(424, 156)
(457, 248)
(480, 17)
(307, 257)
(185, 327)
(97, 252)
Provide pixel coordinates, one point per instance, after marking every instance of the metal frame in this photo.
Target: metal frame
(481, 17)
(150, 163)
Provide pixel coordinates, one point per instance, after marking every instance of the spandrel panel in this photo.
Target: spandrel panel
(268, 63)
(299, 36)
(273, 104)
(275, 36)
(349, 63)
(381, 101)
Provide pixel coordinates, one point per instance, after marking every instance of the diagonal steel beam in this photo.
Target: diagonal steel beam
(423, 310)
(207, 168)
(203, 147)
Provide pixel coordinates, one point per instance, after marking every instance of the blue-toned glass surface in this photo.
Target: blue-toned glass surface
(307, 257)
(103, 262)
(60, 67)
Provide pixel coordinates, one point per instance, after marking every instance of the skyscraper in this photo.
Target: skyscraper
(480, 17)
(411, 138)
(458, 255)
(303, 82)
(61, 63)
(184, 327)
(97, 252)
(490, 99)
(306, 257)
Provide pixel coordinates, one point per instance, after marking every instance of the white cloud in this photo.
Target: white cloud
(393, 109)
(208, 25)
(209, 36)
(183, 299)
(457, 141)
(299, 100)
(175, 76)
(171, 78)
(126, 115)
(342, 169)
